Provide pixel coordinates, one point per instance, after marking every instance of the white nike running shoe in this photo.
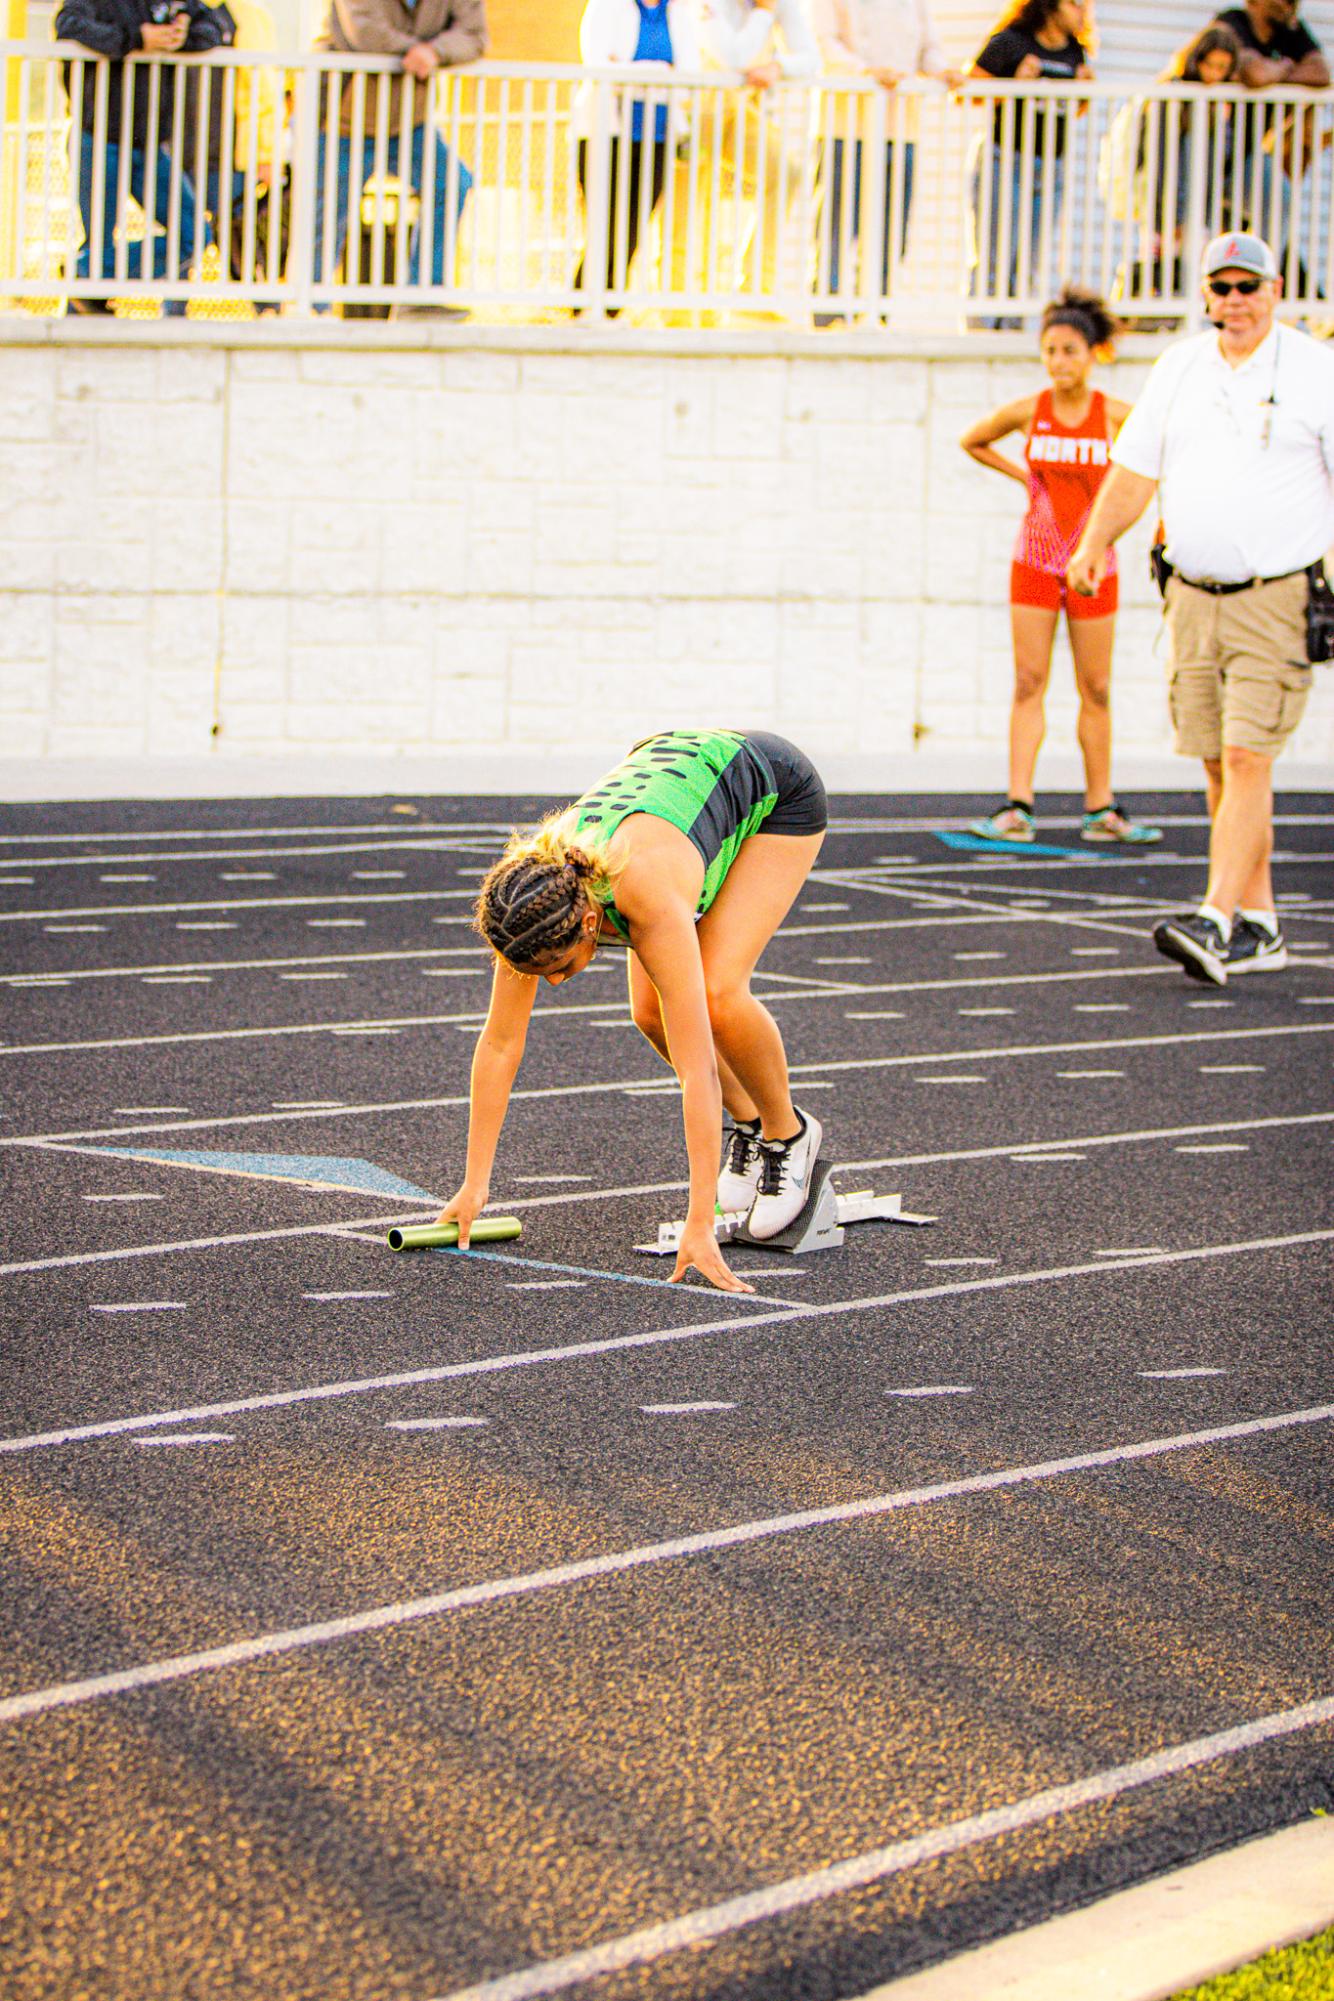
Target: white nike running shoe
(786, 1175)
(739, 1177)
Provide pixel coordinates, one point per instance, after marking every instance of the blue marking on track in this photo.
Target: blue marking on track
(976, 844)
(333, 1171)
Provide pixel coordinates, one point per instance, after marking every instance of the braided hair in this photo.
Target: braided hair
(1086, 314)
(532, 904)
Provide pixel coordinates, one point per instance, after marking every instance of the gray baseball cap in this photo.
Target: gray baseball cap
(1239, 252)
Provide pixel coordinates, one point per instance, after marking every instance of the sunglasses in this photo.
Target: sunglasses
(1221, 287)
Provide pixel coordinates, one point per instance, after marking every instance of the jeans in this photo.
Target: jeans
(855, 222)
(442, 230)
(187, 221)
(985, 271)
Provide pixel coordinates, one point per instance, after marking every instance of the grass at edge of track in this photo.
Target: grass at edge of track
(1302, 1972)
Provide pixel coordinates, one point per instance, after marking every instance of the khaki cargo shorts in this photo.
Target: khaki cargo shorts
(1238, 673)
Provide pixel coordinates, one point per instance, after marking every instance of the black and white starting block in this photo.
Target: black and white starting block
(819, 1227)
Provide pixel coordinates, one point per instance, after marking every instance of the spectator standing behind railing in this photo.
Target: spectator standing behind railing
(1068, 431)
(654, 39)
(1278, 50)
(769, 41)
(1035, 40)
(117, 29)
(257, 105)
(426, 35)
(886, 40)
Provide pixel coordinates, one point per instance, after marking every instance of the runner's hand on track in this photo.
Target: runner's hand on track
(464, 1208)
(699, 1247)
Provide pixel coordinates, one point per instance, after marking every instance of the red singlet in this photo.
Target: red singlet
(1066, 466)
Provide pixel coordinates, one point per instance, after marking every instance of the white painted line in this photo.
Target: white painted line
(1173, 1375)
(206, 924)
(147, 1111)
(1210, 1003)
(1133, 1251)
(874, 1014)
(306, 1104)
(347, 1295)
(336, 923)
(382, 1618)
(1030, 1159)
(310, 976)
(144, 1306)
(981, 1011)
(378, 874)
(239, 903)
(364, 1031)
(980, 955)
(453, 972)
(1219, 1146)
(1228, 1069)
(60, 930)
(123, 1198)
(546, 1285)
(1315, 1000)
(177, 980)
(127, 878)
(435, 1423)
(935, 1390)
(245, 875)
(1102, 1007)
(840, 959)
(945, 1264)
(803, 909)
(1090, 1073)
(939, 1080)
(190, 1438)
(681, 1409)
(1095, 951)
(614, 1344)
(37, 980)
(695, 1928)
(26, 882)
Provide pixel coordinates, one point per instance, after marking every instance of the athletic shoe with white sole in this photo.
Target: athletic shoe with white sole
(1252, 949)
(788, 1168)
(1113, 826)
(1196, 943)
(743, 1165)
(1011, 822)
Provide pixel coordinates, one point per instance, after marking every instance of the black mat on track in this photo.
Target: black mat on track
(410, 1626)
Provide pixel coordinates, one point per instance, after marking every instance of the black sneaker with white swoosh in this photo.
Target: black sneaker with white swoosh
(1252, 949)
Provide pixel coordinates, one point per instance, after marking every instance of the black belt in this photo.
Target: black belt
(1227, 590)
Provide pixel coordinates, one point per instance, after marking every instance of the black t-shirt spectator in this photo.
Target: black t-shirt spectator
(1290, 39)
(1002, 56)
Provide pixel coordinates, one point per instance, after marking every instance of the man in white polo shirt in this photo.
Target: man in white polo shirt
(1236, 431)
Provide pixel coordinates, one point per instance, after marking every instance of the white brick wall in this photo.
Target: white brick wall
(448, 551)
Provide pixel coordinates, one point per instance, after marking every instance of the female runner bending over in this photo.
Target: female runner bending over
(689, 854)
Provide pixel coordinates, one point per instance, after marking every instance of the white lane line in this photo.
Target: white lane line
(681, 1409)
(1095, 951)
(204, 924)
(143, 1306)
(1090, 1073)
(435, 1423)
(1173, 1375)
(1315, 1000)
(546, 1285)
(696, 1928)
(842, 959)
(367, 1030)
(127, 878)
(935, 1390)
(874, 1014)
(381, 1618)
(336, 923)
(292, 976)
(1228, 1069)
(947, 1264)
(306, 1104)
(177, 980)
(235, 903)
(615, 1344)
(1102, 1007)
(124, 1198)
(29, 980)
(61, 930)
(558, 1178)
(1132, 1251)
(1210, 1003)
(979, 955)
(378, 874)
(347, 1295)
(1029, 1159)
(147, 1111)
(979, 1012)
(190, 1438)
(239, 875)
(1218, 1146)
(26, 882)
(941, 1080)
(804, 909)
(453, 972)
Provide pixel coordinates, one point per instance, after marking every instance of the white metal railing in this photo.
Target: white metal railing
(305, 182)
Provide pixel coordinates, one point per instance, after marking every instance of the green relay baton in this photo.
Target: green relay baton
(441, 1236)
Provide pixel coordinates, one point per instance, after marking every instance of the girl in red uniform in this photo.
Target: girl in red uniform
(1068, 432)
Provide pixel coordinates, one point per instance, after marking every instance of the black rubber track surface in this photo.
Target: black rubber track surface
(586, 1664)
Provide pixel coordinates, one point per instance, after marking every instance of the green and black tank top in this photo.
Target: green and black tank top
(715, 785)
